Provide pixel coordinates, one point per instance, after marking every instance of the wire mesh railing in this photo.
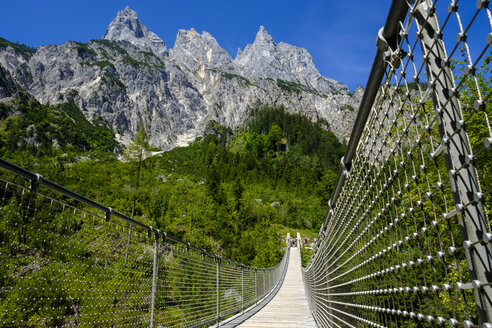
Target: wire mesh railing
(406, 241)
(68, 261)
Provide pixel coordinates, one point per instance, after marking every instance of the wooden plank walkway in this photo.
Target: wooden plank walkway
(289, 308)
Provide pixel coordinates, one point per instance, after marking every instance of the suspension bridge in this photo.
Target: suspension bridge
(406, 241)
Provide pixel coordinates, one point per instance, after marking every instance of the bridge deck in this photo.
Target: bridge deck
(289, 308)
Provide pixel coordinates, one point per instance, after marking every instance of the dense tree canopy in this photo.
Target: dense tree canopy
(228, 192)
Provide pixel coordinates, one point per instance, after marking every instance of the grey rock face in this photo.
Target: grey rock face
(123, 84)
(300, 63)
(13, 71)
(14, 65)
(127, 27)
(265, 59)
(130, 79)
(7, 84)
(198, 51)
(230, 98)
(262, 59)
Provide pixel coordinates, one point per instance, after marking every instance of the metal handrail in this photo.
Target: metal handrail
(407, 238)
(387, 37)
(204, 270)
(39, 180)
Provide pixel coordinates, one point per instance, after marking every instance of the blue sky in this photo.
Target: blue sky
(340, 35)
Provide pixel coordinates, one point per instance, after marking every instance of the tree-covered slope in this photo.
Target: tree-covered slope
(42, 130)
(228, 192)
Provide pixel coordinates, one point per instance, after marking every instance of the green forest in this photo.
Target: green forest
(233, 193)
(230, 192)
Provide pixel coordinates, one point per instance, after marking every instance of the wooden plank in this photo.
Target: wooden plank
(289, 308)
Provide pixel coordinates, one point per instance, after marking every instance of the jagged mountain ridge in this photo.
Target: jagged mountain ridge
(127, 27)
(130, 78)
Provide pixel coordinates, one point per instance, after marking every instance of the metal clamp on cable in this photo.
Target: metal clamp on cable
(35, 183)
(381, 41)
(345, 166)
(156, 232)
(108, 214)
(392, 56)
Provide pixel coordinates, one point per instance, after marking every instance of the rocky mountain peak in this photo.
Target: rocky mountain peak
(175, 94)
(198, 51)
(127, 27)
(263, 36)
(128, 12)
(266, 59)
(260, 59)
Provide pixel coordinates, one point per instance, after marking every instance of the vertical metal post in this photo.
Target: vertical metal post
(264, 282)
(133, 207)
(472, 217)
(256, 286)
(242, 287)
(128, 242)
(217, 259)
(326, 277)
(154, 277)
